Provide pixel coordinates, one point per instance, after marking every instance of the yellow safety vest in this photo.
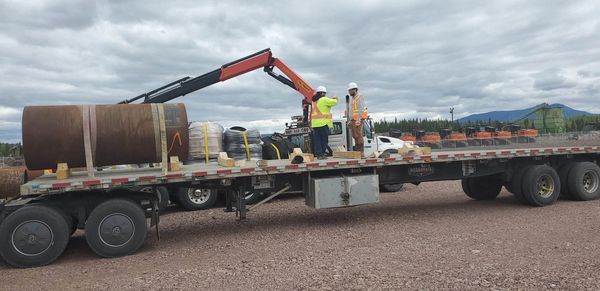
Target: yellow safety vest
(321, 112)
(355, 108)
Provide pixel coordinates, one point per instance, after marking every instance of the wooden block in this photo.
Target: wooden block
(347, 154)
(305, 156)
(62, 171)
(297, 151)
(174, 164)
(308, 158)
(225, 161)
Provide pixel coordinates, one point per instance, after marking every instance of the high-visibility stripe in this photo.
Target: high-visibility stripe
(317, 114)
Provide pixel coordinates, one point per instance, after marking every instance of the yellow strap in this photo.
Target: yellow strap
(206, 141)
(246, 143)
(277, 151)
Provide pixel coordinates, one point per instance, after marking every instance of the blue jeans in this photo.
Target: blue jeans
(321, 139)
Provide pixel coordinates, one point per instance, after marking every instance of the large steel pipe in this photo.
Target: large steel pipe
(118, 134)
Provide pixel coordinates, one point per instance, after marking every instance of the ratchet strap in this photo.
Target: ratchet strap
(87, 138)
(276, 151)
(246, 144)
(206, 142)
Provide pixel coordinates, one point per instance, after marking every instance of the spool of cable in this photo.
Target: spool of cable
(243, 144)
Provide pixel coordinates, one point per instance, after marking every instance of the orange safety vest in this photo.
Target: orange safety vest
(355, 108)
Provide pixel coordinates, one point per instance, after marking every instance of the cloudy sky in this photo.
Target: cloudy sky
(409, 58)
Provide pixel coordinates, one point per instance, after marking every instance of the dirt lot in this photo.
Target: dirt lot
(425, 237)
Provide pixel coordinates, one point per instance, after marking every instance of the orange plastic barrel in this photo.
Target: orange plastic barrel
(503, 134)
(431, 138)
(528, 132)
(483, 134)
(457, 136)
(408, 138)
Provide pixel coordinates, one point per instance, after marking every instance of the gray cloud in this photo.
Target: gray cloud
(410, 58)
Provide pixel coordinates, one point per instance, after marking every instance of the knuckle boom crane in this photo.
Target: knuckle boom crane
(262, 59)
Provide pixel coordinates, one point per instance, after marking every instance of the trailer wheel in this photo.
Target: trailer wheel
(391, 187)
(466, 187)
(563, 175)
(33, 236)
(484, 188)
(196, 198)
(116, 228)
(515, 183)
(584, 181)
(252, 197)
(540, 185)
(163, 196)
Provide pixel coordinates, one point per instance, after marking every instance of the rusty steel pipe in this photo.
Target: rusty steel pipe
(118, 134)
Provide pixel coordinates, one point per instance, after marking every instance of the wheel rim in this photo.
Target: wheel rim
(590, 181)
(545, 186)
(116, 230)
(32, 237)
(199, 196)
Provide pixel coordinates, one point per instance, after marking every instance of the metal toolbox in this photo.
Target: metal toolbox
(342, 191)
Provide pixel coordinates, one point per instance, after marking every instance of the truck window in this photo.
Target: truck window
(337, 128)
(367, 130)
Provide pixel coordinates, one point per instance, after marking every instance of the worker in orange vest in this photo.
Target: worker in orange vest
(359, 114)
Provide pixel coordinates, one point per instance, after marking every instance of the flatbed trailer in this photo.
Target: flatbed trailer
(36, 227)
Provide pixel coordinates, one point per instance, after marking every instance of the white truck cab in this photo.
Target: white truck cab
(373, 142)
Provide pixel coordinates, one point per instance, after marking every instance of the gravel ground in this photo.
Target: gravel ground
(425, 237)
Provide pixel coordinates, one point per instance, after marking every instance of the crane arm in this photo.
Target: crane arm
(261, 59)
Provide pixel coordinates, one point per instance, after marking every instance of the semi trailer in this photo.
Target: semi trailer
(117, 208)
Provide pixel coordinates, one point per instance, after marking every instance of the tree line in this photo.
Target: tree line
(8, 149)
(434, 125)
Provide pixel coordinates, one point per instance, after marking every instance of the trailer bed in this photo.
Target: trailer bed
(106, 179)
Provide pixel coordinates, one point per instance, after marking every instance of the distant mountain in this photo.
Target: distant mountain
(509, 115)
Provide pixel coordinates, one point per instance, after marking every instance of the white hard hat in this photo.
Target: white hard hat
(352, 85)
(322, 89)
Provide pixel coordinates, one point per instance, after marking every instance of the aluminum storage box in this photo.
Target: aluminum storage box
(342, 191)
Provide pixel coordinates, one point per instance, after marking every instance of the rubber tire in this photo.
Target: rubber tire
(391, 187)
(529, 185)
(484, 188)
(186, 202)
(124, 207)
(516, 183)
(466, 186)
(70, 222)
(50, 216)
(563, 175)
(163, 198)
(576, 190)
(256, 197)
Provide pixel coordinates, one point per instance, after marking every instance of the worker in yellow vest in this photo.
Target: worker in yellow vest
(321, 120)
(359, 114)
